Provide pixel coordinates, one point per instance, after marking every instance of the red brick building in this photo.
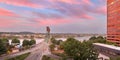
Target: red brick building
(113, 21)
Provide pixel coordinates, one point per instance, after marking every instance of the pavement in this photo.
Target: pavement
(36, 52)
(35, 56)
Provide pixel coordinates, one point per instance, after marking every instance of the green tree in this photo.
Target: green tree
(78, 50)
(52, 46)
(15, 40)
(59, 42)
(53, 40)
(93, 38)
(5, 40)
(3, 48)
(70, 45)
(25, 43)
(100, 37)
(32, 42)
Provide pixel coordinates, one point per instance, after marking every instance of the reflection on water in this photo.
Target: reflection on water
(78, 38)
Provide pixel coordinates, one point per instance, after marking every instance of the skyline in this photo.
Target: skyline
(73, 16)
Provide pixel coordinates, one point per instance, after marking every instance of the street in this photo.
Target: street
(39, 52)
(36, 52)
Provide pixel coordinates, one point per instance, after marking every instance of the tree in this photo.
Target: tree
(25, 43)
(52, 46)
(100, 37)
(70, 45)
(93, 38)
(78, 50)
(32, 42)
(5, 40)
(3, 48)
(53, 40)
(59, 42)
(15, 40)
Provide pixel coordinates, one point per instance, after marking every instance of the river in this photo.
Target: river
(63, 39)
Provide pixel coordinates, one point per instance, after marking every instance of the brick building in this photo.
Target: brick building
(113, 21)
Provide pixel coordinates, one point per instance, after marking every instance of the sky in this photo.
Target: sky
(62, 16)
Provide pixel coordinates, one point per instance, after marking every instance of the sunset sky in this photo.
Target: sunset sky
(63, 16)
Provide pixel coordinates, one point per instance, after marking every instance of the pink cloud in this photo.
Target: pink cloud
(103, 1)
(53, 22)
(66, 1)
(101, 10)
(88, 17)
(86, 2)
(45, 22)
(5, 12)
(5, 23)
(25, 3)
(83, 2)
(96, 10)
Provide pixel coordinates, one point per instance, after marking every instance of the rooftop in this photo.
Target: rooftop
(108, 46)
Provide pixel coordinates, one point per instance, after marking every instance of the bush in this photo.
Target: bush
(47, 58)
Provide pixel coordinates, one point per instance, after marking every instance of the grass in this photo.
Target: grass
(47, 58)
(20, 57)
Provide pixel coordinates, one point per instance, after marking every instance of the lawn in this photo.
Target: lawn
(20, 57)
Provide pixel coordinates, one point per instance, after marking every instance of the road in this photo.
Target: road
(36, 55)
(36, 52)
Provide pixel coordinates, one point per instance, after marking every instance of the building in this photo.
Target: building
(113, 21)
(107, 50)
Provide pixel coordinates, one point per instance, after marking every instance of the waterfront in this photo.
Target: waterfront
(63, 39)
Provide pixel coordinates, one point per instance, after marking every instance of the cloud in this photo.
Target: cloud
(23, 3)
(52, 21)
(5, 12)
(86, 2)
(66, 1)
(74, 11)
(37, 13)
(99, 10)
(102, 10)
(49, 15)
(5, 23)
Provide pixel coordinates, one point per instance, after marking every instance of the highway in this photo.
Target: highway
(36, 52)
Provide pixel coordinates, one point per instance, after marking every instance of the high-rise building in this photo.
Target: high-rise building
(113, 21)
